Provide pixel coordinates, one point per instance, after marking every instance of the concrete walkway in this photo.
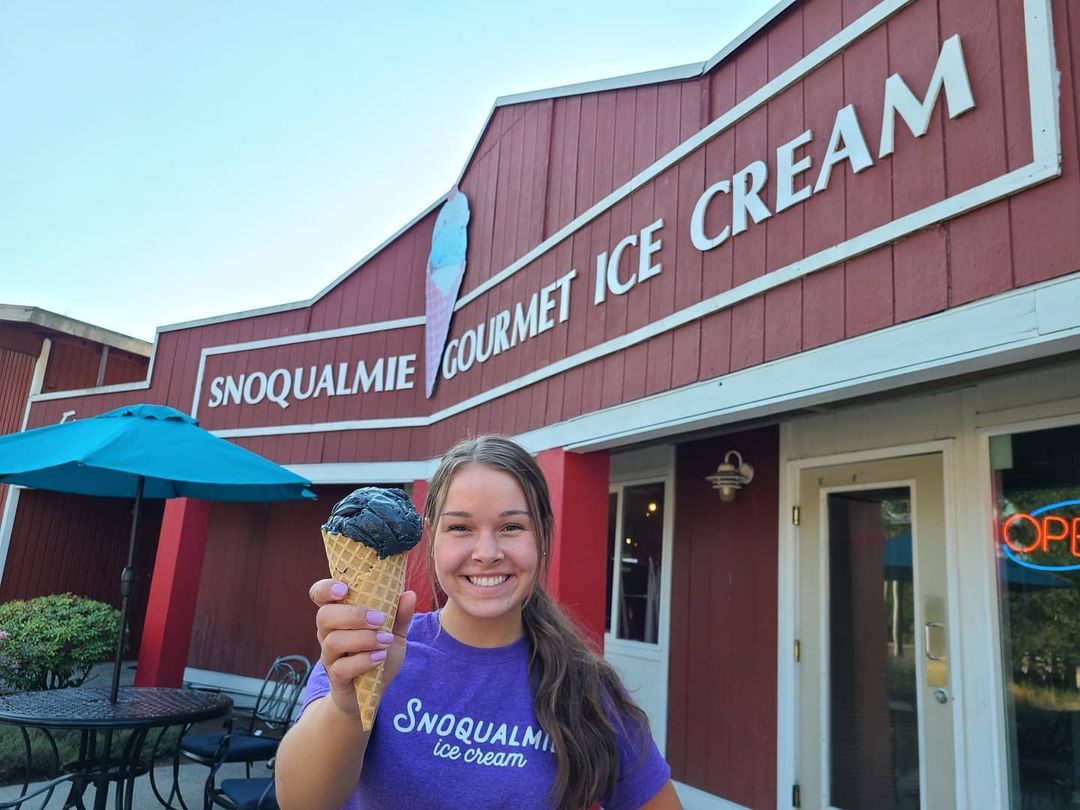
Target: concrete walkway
(192, 775)
(192, 780)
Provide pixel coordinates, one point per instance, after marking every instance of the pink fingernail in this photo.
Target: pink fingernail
(339, 589)
(384, 637)
(378, 655)
(376, 618)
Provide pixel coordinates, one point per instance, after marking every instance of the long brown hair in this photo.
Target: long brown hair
(577, 695)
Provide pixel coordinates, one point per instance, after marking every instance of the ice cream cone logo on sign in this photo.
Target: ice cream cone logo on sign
(445, 269)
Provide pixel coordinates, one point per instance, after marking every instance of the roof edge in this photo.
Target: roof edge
(14, 313)
(687, 71)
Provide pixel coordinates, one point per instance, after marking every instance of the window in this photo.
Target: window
(1036, 485)
(635, 546)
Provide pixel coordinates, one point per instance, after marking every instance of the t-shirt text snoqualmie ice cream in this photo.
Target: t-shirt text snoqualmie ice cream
(456, 728)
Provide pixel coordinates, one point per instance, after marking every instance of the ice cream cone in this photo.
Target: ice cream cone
(374, 584)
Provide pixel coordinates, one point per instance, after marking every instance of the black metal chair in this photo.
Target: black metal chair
(251, 736)
(253, 793)
(42, 792)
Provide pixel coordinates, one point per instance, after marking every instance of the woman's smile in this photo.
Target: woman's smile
(489, 581)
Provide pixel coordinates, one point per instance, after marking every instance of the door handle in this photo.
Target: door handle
(926, 640)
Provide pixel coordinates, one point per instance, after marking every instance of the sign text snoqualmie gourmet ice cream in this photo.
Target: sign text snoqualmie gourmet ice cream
(631, 261)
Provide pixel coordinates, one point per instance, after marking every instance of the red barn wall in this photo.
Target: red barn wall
(249, 609)
(70, 543)
(721, 734)
(19, 351)
(124, 367)
(16, 374)
(73, 364)
(18, 357)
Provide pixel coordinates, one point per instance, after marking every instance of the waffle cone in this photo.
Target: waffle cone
(375, 584)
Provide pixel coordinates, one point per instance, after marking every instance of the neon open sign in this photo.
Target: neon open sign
(1034, 533)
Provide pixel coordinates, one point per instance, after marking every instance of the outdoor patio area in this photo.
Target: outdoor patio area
(192, 780)
(192, 775)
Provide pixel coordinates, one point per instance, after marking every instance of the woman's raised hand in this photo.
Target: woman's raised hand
(352, 641)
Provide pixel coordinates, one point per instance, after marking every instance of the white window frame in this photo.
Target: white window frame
(619, 482)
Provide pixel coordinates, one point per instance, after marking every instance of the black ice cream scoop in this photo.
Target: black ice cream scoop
(382, 519)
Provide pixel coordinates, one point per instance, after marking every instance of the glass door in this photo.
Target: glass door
(875, 706)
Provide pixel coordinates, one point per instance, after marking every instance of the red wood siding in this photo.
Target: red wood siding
(253, 604)
(69, 543)
(540, 164)
(20, 339)
(73, 364)
(124, 367)
(1042, 221)
(16, 374)
(721, 734)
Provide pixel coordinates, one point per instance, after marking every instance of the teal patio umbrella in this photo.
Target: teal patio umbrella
(142, 451)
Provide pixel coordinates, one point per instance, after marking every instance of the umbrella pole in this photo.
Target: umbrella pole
(127, 585)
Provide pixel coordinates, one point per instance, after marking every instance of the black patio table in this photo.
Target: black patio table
(89, 711)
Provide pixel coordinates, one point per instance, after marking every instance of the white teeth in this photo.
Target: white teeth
(488, 582)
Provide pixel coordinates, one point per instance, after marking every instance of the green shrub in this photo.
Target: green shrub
(52, 642)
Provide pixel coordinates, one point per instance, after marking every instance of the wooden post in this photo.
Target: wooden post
(578, 570)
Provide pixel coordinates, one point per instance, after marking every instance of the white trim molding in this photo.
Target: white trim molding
(7, 523)
(366, 472)
(37, 382)
(1010, 327)
(116, 388)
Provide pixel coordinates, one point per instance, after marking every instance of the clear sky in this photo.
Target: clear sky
(167, 161)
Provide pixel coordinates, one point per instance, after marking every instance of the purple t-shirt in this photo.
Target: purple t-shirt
(456, 728)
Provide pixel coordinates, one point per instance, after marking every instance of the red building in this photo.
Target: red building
(43, 353)
(845, 247)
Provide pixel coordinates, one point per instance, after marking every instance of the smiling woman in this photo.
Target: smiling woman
(499, 702)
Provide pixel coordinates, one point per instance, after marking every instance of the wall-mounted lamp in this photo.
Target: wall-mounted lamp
(730, 476)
